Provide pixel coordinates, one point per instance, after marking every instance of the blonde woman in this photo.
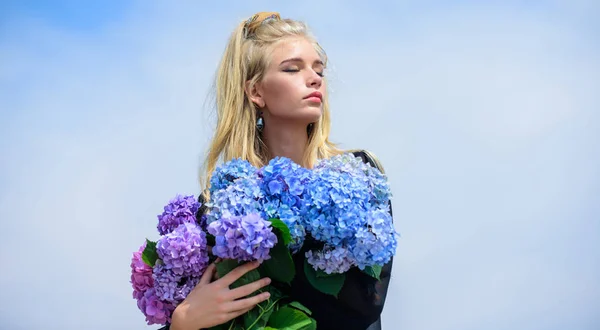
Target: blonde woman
(271, 100)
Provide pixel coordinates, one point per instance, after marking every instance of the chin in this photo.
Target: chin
(311, 114)
(302, 116)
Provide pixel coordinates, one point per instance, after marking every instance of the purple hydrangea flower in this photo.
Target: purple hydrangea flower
(331, 260)
(170, 287)
(243, 238)
(181, 209)
(155, 310)
(184, 250)
(141, 274)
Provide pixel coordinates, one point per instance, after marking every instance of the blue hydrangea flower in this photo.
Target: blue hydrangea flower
(282, 177)
(290, 215)
(284, 184)
(381, 192)
(242, 197)
(337, 200)
(331, 260)
(376, 243)
(243, 238)
(227, 173)
(184, 250)
(181, 209)
(376, 181)
(347, 208)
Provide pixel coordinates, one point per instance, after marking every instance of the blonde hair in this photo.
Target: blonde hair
(246, 59)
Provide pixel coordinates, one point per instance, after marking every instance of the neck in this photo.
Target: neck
(285, 139)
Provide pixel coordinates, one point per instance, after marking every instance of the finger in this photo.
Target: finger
(208, 274)
(248, 302)
(238, 272)
(249, 288)
(216, 276)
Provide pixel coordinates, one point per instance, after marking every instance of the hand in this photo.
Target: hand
(213, 303)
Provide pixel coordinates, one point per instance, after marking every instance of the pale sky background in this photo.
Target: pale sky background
(486, 117)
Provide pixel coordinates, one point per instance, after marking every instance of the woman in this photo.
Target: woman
(272, 101)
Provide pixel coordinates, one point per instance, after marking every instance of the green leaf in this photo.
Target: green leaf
(258, 317)
(227, 265)
(311, 326)
(224, 326)
(237, 326)
(149, 256)
(301, 307)
(287, 318)
(283, 229)
(276, 294)
(374, 271)
(280, 267)
(329, 284)
(250, 318)
(321, 273)
(266, 314)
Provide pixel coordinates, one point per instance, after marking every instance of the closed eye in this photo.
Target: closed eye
(320, 73)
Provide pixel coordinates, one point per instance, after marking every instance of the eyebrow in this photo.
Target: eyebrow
(297, 59)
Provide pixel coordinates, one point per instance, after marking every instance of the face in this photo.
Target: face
(292, 87)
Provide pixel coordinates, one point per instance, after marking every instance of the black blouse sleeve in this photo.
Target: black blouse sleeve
(362, 293)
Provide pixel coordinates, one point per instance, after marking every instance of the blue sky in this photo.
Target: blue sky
(486, 117)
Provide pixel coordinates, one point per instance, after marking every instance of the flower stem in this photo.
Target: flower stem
(263, 313)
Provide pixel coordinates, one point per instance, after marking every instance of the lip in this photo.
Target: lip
(315, 95)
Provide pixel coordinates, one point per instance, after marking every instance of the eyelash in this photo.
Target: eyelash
(321, 74)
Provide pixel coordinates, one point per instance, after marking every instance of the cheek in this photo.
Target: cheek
(280, 91)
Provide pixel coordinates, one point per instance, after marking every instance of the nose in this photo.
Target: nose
(314, 79)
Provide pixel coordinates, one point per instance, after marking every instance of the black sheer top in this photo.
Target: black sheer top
(359, 303)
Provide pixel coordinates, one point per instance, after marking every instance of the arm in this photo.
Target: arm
(362, 293)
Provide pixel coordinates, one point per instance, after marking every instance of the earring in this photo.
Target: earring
(260, 124)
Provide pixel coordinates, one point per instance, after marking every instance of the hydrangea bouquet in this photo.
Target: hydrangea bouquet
(348, 215)
(248, 218)
(341, 206)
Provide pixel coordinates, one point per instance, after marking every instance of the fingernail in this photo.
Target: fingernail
(267, 280)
